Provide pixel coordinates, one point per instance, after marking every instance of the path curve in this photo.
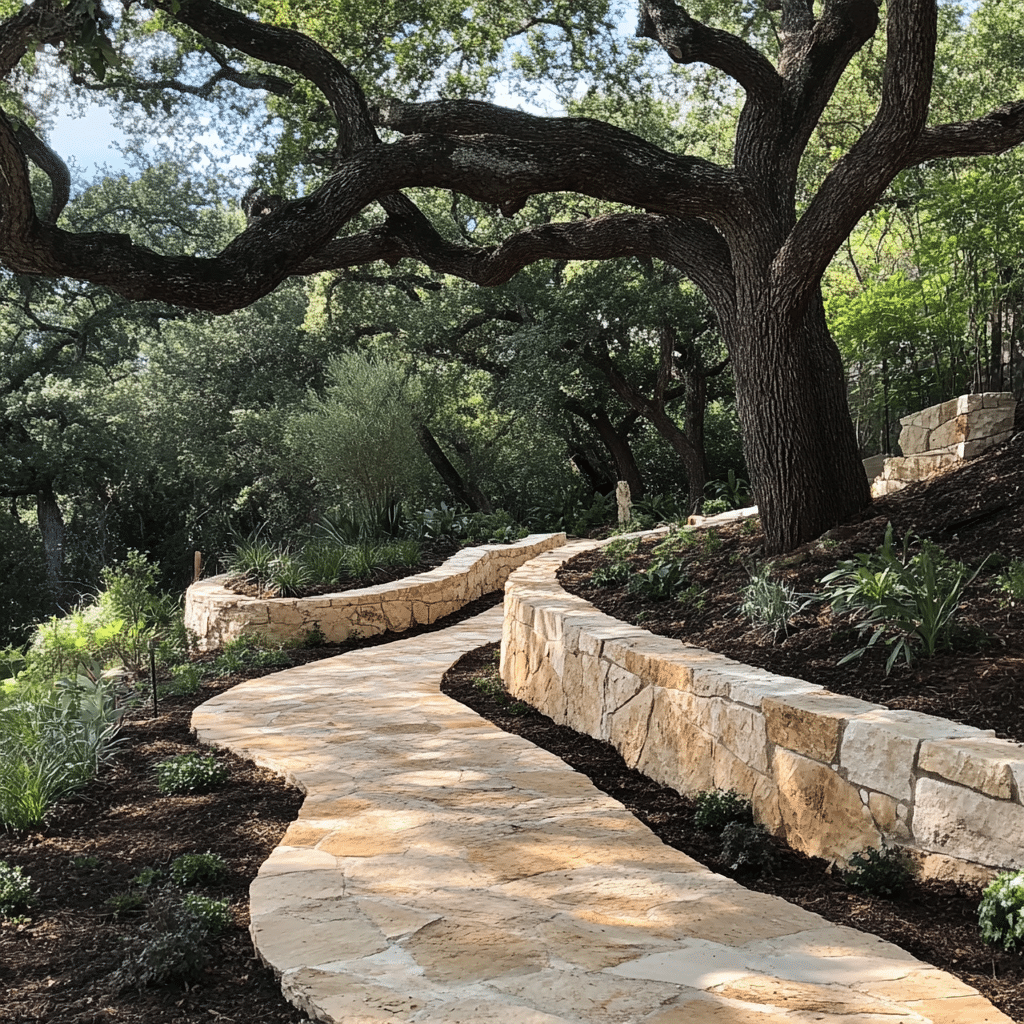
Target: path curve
(445, 872)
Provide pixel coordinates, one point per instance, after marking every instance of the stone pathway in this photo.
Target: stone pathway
(442, 871)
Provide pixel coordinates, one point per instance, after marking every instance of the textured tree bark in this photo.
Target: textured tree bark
(470, 495)
(798, 434)
(51, 526)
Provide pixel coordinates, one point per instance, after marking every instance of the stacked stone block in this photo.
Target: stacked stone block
(944, 435)
(830, 774)
(217, 615)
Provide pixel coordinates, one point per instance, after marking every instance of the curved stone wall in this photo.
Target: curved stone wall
(217, 615)
(829, 774)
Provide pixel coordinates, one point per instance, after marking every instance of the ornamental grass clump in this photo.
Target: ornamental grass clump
(1001, 912)
(190, 773)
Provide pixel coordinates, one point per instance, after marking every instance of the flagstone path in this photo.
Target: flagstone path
(445, 872)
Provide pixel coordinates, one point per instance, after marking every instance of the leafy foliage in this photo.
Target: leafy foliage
(1001, 912)
(717, 808)
(190, 773)
(906, 601)
(16, 891)
(197, 869)
(879, 872)
(769, 603)
(748, 848)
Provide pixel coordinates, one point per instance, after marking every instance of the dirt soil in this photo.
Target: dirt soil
(972, 513)
(936, 922)
(57, 962)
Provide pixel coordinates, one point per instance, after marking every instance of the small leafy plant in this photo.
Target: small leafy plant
(1010, 583)
(16, 892)
(1001, 912)
(190, 773)
(664, 580)
(748, 848)
(878, 872)
(716, 808)
(214, 915)
(197, 869)
(612, 575)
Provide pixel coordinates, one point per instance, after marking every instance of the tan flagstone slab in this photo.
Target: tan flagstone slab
(441, 872)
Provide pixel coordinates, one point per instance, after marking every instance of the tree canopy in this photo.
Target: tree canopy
(370, 104)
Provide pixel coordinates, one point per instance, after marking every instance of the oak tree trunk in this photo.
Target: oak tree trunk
(51, 526)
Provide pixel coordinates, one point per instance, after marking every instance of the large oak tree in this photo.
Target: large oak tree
(735, 231)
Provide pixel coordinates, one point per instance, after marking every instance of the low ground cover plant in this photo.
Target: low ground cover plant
(190, 773)
(16, 892)
(197, 869)
(717, 808)
(769, 603)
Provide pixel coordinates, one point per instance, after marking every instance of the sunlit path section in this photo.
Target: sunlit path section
(445, 872)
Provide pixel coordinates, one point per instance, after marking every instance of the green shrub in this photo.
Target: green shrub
(613, 575)
(714, 506)
(314, 636)
(325, 560)
(252, 558)
(904, 600)
(878, 872)
(289, 576)
(171, 945)
(197, 869)
(16, 891)
(190, 773)
(213, 915)
(186, 680)
(1001, 912)
(717, 808)
(748, 847)
(661, 581)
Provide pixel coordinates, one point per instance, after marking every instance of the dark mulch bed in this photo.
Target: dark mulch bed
(936, 922)
(57, 964)
(971, 513)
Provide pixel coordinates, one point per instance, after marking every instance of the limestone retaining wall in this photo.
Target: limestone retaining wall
(943, 435)
(829, 774)
(218, 615)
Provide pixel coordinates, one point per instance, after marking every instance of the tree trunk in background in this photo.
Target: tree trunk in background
(51, 526)
(468, 494)
(622, 454)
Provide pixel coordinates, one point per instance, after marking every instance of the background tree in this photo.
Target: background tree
(739, 231)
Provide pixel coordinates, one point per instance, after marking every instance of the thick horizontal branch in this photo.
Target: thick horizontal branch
(39, 22)
(995, 132)
(689, 41)
(287, 242)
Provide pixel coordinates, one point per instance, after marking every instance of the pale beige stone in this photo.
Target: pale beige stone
(949, 433)
(319, 933)
(742, 731)
(464, 951)
(879, 749)
(961, 822)
(708, 1011)
(986, 423)
(962, 1010)
(677, 752)
(885, 812)
(732, 918)
(823, 815)
(795, 995)
(812, 723)
(913, 440)
(628, 726)
(982, 764)
(327, 995)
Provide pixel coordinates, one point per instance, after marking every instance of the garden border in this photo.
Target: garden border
(217, 615)
(832, 775)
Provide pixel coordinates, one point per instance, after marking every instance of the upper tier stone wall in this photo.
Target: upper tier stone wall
(217, 615)
(831, 775)
(944, 435)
